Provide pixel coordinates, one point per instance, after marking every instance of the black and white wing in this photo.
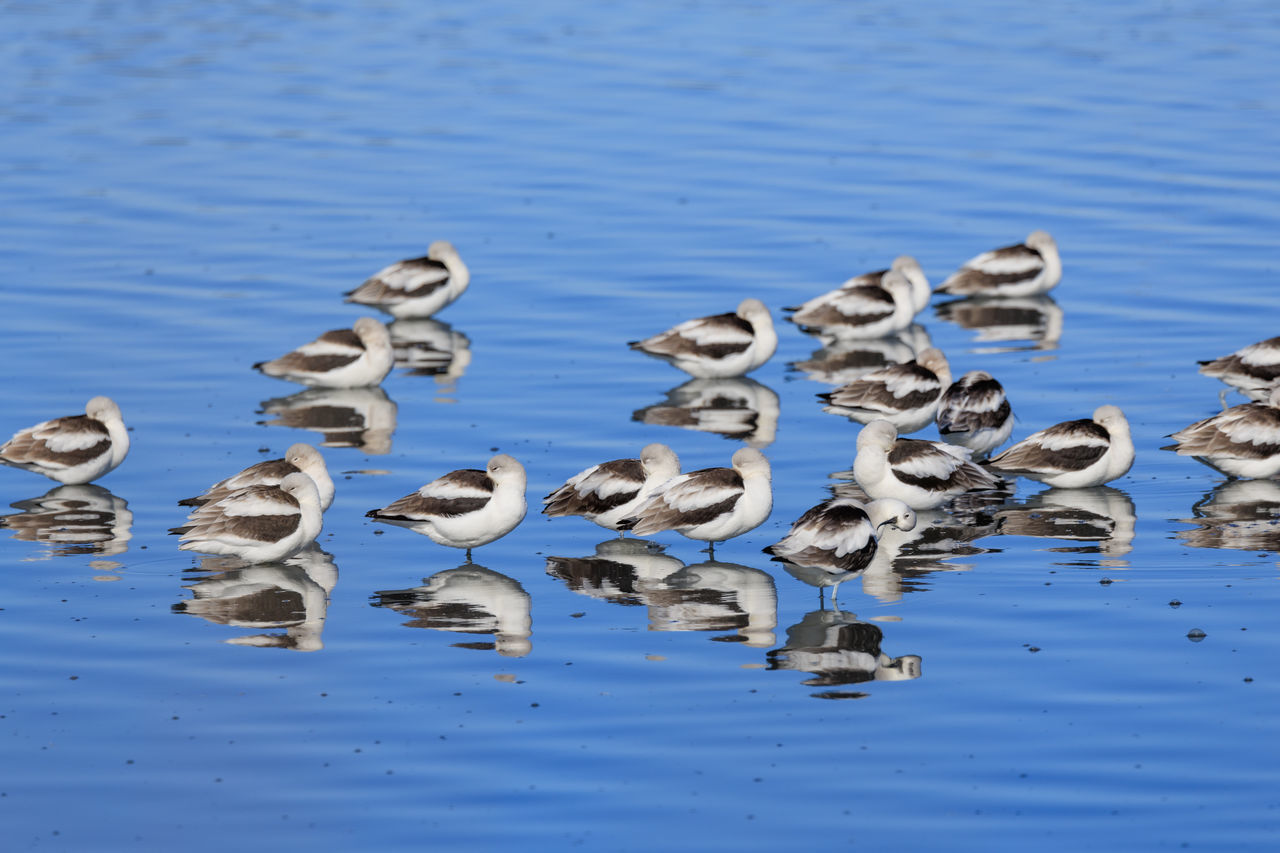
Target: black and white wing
(1065, 447)
(454, 494)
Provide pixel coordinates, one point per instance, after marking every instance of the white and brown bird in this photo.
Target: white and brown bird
(865, 310)
(465, 508)
(258, 524)
(612, 491)
(921, 474)
(1243, 441)
(907, 266)
(1255, 369)
(1023, 269)
(975, 413)
(719, 346)
(417, 287)
(75, 449)
(837, 539)
(713, 504)
(269, 472)
(1073, 454)
(904, 394)
(341, 358)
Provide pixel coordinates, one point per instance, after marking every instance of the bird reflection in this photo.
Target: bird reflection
(292, 595)
(839, 362)
(470, 599)
(1035, 320)
(904, 559)
(837, 649)
(1241, 515)
(346, 417)
(737, 408)
(715, 596)
(82, 519)
(1103, 515)
(621, 571)
(428, 347)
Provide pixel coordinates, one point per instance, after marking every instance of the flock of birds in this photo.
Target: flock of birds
(274, 509)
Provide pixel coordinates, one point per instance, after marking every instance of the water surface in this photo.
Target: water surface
(191, 189)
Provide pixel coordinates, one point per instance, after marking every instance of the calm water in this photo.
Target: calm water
(190, 189)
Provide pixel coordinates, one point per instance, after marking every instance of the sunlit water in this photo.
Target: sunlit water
(191, 188)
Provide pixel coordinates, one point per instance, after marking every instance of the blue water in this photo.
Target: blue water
(190, 188)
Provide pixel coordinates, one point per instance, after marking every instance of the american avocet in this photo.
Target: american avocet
(718, 346)
(75, 449)
(975, 413)
(921, 474)
(1023, 269)
(904, 394)
(862, 311)
(1243, 441)
(258, 524)
(418, 287)
(713, 504)
(837, 539)
(611, 491)
(340, 358)
(299, 457)
(1073, 454)
(465, 508)
(1254, 369)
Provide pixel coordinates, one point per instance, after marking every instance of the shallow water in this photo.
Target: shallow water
(191, 189)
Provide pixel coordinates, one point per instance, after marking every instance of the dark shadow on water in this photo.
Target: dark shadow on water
(716, 596)
(740, 408)
(839, 361)
(738, 601)
(346, 417)
(1242, 515)
(1103, 519)
(1008, 324)
(470, 599)
(428, 347)
(621, 571)
(71, 520)
(838, 649)
(291, 596)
